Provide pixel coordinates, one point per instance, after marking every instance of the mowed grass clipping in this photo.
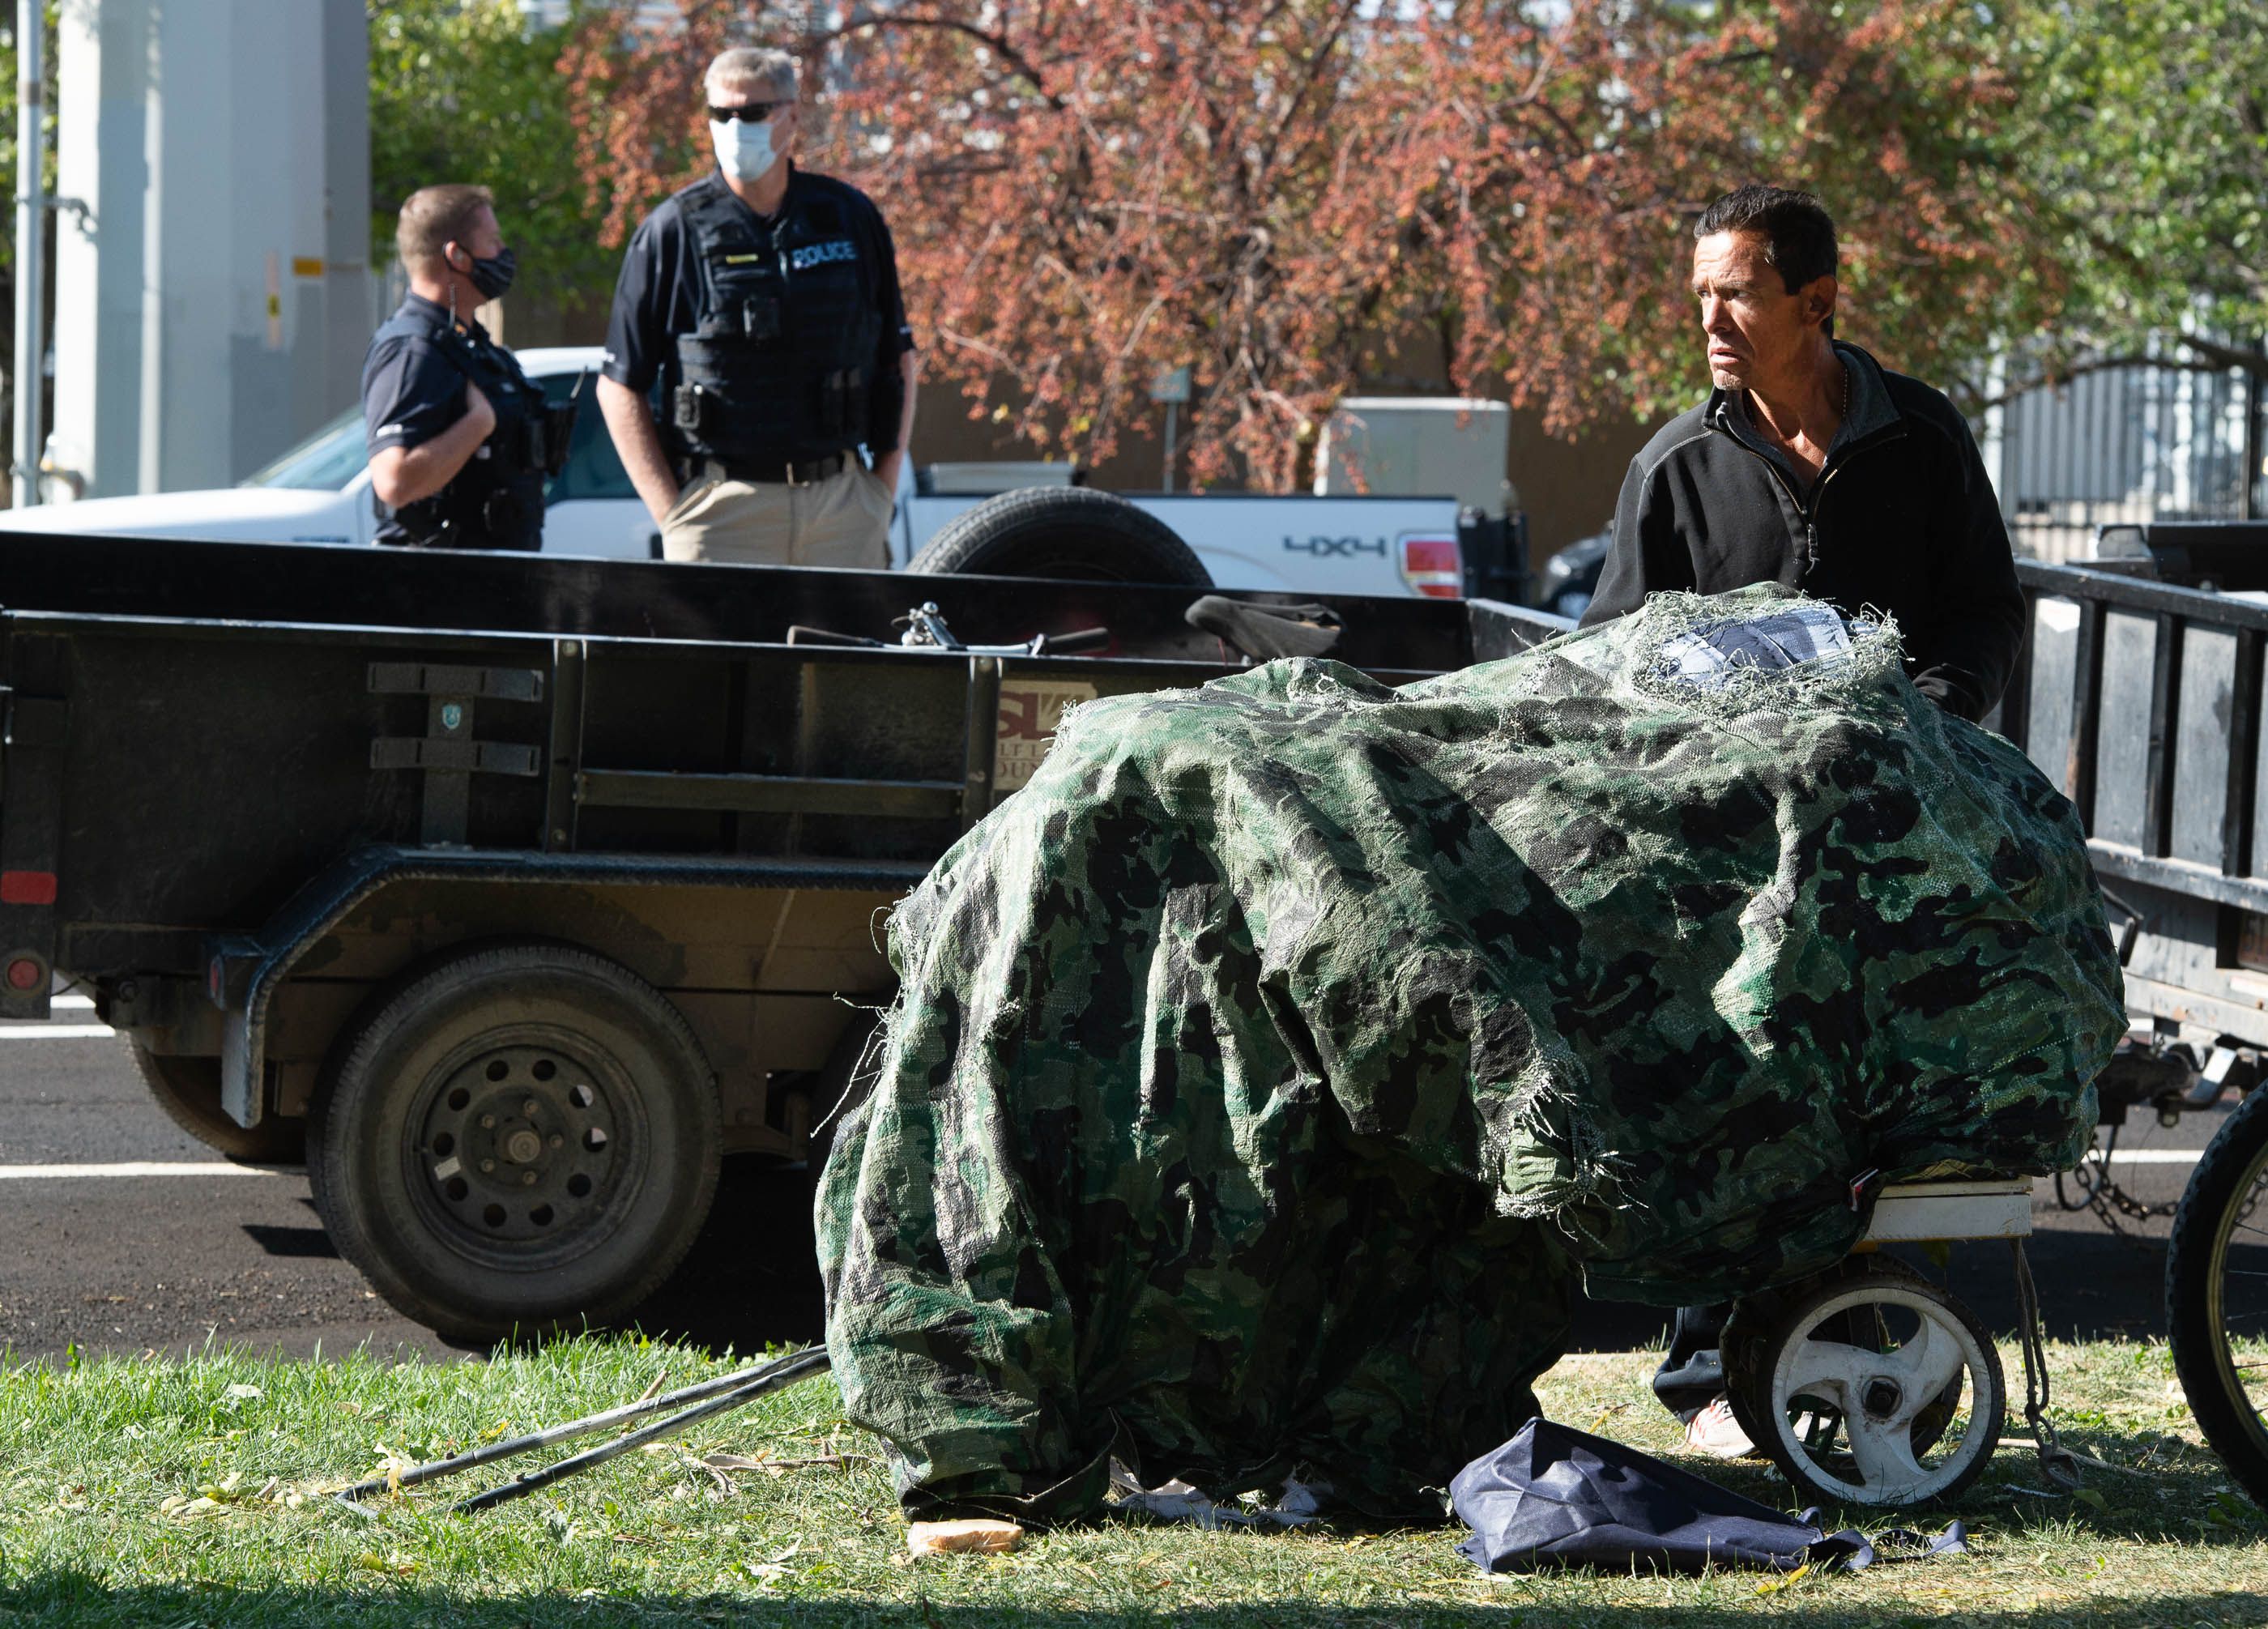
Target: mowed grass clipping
(190, 1492)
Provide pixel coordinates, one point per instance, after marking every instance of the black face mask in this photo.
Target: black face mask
(492, 273)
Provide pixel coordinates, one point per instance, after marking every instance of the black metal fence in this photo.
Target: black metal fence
(2127, 445)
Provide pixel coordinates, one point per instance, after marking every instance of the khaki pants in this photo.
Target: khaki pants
(842, 521)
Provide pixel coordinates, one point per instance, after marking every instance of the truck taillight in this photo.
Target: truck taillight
(1434, 567)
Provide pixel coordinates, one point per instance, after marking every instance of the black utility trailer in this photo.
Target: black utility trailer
(2140, 695)
(521, 889)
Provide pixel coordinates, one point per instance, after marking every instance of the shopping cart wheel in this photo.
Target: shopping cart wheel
(1755, 1322)
(1858, 1392)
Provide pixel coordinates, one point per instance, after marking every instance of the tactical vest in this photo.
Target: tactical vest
(495, 501)
(781, 368)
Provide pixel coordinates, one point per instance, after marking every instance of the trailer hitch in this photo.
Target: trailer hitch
(924, 629)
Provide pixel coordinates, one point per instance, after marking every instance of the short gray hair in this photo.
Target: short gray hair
(776, 69)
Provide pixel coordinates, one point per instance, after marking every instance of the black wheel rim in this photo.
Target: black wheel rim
(2237, 1291)
(525, 1147)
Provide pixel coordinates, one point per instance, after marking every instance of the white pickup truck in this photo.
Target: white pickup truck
(320, 492)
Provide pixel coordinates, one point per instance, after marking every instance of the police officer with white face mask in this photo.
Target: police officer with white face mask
(764, 301)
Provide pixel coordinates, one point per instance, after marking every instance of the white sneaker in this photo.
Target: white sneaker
(1714, 1432)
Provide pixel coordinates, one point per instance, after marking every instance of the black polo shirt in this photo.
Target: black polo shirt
(411, 390)
(661, 293)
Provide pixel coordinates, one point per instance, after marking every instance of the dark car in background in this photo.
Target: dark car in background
(1570, 578)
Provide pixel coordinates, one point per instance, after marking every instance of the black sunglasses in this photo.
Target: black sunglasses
(748, 113)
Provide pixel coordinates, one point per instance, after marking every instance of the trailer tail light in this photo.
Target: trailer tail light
(28, 888)
(25, 973)
(1434, 567)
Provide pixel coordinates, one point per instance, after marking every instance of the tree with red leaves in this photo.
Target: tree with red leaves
(1280, 194)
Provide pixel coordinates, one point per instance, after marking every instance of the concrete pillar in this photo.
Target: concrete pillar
(104, 63)
(213, 305)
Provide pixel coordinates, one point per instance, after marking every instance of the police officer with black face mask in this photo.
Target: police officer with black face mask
(760, 305)
(459, 440)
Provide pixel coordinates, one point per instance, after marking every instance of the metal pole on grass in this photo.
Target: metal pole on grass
(31, 247)
(730, 1389)
(788, 1370)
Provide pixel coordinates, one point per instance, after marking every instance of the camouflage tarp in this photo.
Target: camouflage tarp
(1256, 1068)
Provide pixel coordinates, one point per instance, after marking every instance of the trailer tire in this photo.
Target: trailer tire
(187, 1088)
(520, 1140)
(1070, 533)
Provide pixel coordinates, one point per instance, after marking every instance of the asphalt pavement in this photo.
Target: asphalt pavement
(124, 1234)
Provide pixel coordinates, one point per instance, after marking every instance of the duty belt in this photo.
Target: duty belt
(808, 473)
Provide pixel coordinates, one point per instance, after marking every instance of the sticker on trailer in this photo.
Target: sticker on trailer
(1031, 712)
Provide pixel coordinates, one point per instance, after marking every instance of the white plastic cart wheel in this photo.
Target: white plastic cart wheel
(1850, 1371)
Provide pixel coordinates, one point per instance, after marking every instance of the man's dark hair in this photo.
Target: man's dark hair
(1798, 233)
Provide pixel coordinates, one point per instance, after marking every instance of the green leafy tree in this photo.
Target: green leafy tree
(2144, 125)
(471, 90)
(1278, 195)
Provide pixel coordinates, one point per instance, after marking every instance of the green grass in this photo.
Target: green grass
(182, 1494)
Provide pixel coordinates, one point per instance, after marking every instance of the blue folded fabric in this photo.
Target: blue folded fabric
(1554, 1496)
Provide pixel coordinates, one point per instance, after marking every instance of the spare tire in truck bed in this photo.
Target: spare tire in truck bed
(1068, 532)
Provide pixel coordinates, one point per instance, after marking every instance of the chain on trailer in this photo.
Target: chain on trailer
(2135, 1076)
(2099, 1191)
(2165, 1076)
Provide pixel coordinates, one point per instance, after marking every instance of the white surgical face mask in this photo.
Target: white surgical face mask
(743, 150)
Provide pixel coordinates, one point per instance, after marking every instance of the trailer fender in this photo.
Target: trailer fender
(243, 972)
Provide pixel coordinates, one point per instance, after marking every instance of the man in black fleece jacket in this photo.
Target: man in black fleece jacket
(1812, 464)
